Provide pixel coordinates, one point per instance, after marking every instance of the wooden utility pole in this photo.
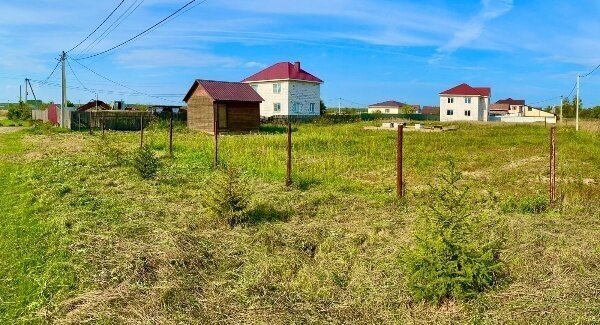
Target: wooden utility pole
(288, 173)
(552, 165)
(399, 178)
(90, 120)
(142, 131)
(171, 135)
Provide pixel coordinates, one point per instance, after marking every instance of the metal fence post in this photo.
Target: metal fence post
(399, 153)
(141, 131)
(552, 165)
(216, 133)
(171, 135)
(288, 174)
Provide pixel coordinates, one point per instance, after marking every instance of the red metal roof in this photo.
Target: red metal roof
(283, 71)
(226, 91)
(511, 101)
(464, 89)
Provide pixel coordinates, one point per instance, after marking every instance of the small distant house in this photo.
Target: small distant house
(465, 103)
(227, 106)
(393, 107)
(288, 90)
(94, 105)
(430, 110)
(516, 107)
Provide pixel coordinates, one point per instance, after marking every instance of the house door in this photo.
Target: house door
(222, 114)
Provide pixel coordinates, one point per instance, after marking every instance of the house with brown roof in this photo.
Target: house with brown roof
(430, 110)
(219, 106)
(465, 103)
(288, 90)
(393, 107)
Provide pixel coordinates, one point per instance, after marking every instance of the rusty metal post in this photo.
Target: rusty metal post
(288, 173)
(141, 130)
(399, 178)
(171, 135)
(216, 133)
(90, 121)
(552, 165)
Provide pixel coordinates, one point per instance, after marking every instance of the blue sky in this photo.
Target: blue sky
(366, 50)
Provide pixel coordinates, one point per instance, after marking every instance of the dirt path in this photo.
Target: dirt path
(10, 129)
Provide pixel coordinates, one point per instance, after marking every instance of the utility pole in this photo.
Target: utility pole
(577, 107)
(26, 91)
(340, 105)
(63, 57)
(20, 93)
(561, 106)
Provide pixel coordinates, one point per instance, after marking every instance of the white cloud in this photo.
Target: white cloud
(149, 58)
(473, 29)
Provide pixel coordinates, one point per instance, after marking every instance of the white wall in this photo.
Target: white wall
(292, 92)
(459, 107)
(302, 94)
(382, 110)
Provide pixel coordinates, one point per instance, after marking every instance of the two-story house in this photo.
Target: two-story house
(288, 90)
(516, 107)
(465, 103)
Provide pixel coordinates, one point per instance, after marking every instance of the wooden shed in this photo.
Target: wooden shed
(229, 107)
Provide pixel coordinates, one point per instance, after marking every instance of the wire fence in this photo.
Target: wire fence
(110, 120)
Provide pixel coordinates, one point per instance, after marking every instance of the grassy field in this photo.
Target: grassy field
(84, 239)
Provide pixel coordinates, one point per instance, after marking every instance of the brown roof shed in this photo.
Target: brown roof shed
(221, 106)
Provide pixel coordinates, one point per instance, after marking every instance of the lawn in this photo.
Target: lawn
(85, 239)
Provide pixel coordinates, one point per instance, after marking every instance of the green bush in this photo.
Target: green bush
(455, 253)
(529, 204)
(146, 162)
(226, 197)
(19, 112)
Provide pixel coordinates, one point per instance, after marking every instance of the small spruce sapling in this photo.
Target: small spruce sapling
(455, 254)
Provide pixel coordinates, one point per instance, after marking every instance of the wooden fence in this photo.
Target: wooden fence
(110, 120)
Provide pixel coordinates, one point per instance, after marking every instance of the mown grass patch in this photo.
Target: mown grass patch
(88, 239)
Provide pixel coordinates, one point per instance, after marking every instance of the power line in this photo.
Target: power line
(119, 84)
(76, 77)
(53, 70)
(95, 30)
(142, 33)
(589, 73)
(124, 15)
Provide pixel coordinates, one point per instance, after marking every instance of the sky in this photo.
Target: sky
(366, 51)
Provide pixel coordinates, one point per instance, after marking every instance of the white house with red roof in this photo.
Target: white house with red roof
(287, 90)
(465, 103)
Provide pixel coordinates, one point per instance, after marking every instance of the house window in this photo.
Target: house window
(467, 113)
(277, 107)
(449, 112)
(467, 100)
(387, 110)
(296, 107)
(529, 109)
(450, 100)
(277, 88)
(312, 107)
(255, 87)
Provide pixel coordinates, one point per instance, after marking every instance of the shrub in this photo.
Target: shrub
(455, 253)
(226, 197)
(146, 162)
(529, 204)
(20, 111)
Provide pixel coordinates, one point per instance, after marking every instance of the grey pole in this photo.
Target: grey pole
(63, 57)
(577, 107)
(561, 106)
(25, 90)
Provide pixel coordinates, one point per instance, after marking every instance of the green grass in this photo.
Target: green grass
(86, 239)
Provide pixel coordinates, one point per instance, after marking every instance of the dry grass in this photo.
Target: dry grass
(324, 251)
